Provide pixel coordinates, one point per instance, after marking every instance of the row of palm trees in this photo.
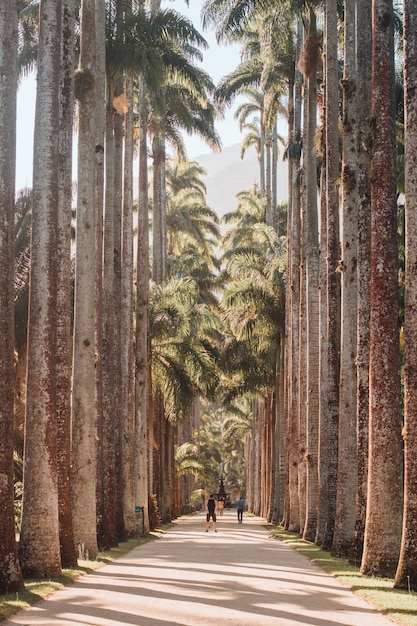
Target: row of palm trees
(78, 495)
(338, 480)
(101, 423)
(321, 376)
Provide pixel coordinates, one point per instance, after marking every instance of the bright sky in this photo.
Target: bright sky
(217, 62)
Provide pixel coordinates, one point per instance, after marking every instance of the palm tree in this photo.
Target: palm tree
(405, 576)
(39, 541)
(364, 63)
(143, 415)
(330, 290)
(83, 478)
(384, 507)
(309, 63)
(253, 307)
(126, 325)
(10, 574)
(347, 454)
(64, 287)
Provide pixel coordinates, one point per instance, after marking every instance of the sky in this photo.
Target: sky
(218, 61)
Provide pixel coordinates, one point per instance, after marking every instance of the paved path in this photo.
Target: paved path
(237, 577)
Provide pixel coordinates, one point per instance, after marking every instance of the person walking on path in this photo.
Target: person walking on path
(240, 505)
(211, 508)
(220, 505)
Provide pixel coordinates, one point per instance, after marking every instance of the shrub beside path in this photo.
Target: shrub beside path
(238, 576)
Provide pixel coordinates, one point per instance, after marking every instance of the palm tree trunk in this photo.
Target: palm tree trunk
(127, 330)
(64, 365)
(117, 296)
(143, 416)
(293, 298)
(39, 540)
(83, 476)
(312, 289)
(347, 455)
(330, 314)
(10, 575)
(364, 69)
(110, 427)
(406, 575)
(385, 487)
(99, 206)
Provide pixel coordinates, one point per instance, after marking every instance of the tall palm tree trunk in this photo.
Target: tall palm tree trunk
(110, 423)
(406, 575)
(143, 416)
(330, 309)
(100, 85)
(126, 323)
(10, 574)
(64, 364)
(347, 453)
(363, 70)
(385, 488)
(83, 476)
(293, 296)
(39, 540)
(312, 289)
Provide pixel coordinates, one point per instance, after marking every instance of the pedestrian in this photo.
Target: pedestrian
(240, 505)
(220, 505)
(211, 507)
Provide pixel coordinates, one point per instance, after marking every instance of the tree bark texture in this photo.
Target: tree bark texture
(406, 575)
(10, 574)
(39, 549)
(385, 486)
(84, 427)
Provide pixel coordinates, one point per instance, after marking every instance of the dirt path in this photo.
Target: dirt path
(237, 576)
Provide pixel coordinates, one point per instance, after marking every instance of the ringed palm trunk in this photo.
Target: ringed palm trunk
(100, 85)
(312, 288)
(127, 331)
(39, 540)
(143, 415)
(110, 422)
(385, 486)
(347, 453)
(293, 300)
(10, 574)
(406, 575)
(162, 432)
(363, 69)
(64, 365)
(83, 476)
(117, 379)
(330, 310)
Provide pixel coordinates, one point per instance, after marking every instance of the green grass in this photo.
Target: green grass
(400, 606)
(36, 589)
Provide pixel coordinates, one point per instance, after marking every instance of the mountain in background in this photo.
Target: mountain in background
(227, 174)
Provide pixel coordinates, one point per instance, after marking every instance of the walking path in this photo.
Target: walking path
(238, 576)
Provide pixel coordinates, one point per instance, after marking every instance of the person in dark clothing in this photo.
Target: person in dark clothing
(240, 505)
(211, 507)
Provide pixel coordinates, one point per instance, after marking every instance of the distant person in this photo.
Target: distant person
(240, 506)
(220, 505)
(211, 507)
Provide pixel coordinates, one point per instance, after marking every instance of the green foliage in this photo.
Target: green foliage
(182, 364)
(187, 460)
(252, 300)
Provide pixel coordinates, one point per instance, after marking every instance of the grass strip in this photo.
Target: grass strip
(399, 605)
